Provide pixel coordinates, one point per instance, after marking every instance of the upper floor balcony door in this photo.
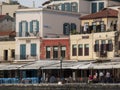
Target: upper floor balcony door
(28, 29)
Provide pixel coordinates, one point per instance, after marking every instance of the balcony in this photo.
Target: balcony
(26, 57)
(28, 34)
(97, 29)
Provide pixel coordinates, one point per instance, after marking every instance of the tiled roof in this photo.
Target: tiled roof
(7, 33)
(1, 16)
(107, 12)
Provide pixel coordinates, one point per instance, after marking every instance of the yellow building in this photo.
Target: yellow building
(97, 38)
(7, 47)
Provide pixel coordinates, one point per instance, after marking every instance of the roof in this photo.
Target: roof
(105, 13)
(2, 16)
(7, 33)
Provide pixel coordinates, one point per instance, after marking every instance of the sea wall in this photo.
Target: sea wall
(61, 87)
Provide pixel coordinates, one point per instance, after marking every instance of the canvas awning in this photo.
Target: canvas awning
(38, 64)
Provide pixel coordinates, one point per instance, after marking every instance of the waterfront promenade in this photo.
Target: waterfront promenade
(66, 86)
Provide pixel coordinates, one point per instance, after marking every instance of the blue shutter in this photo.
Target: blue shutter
(20, 29)
(73, 26)
(26, 28)
(22, 51)
(33, 49)
(37, 26)
(94, 8)
(63, 7)
(101, 5)
(66, 29)
(69, 7)
(26, 23)
(31, 27)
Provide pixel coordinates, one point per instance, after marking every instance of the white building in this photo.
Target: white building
(31, 24)
(81, 6)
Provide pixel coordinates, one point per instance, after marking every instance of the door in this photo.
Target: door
(5, 55)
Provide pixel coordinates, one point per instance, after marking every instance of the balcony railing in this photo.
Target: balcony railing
(97, 29)
(26, 57)
(28, 34)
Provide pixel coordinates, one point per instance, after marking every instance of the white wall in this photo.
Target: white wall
(54, 21)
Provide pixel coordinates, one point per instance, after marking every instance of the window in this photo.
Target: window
(22, 51)
(93, 7)
(102, 26)
(66, 29)
(86, 27)
(94, 26)
(74, 50)
(23, 28)
(86, 50)
(34, 26)
(12, 53)
(63, 51)
(74, 7)
(96, 47)
(67, 7)
(101, 5)
(63, 7)
(110, 45)
(73, 27)
(103, 45)
(33, 49)
(80, 50)
(55, 52)
(48, 49)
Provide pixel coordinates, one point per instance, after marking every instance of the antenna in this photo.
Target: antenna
(33, 3)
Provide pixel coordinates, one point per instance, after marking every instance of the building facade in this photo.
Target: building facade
(90, 6)
(98, 37)
(6, 23)
(55, 48)
(44, 23)
(7, 46)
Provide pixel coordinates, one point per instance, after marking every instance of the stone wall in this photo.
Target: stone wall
(62, 87)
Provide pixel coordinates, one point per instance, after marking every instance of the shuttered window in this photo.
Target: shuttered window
(96, 46)
(23, 28)
(74, 7)
(93, 7)
(33, 49)
(67, 7)
(63, 51)
(48, 49)
(80, 50)
(66, 28)
(34, 26)
(110, 45)
(22, 51)
(55, 52)
(74, 50)
(86, 49)
(101, 5)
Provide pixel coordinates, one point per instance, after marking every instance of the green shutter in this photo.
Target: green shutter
(37, 28)
(33, 49)
(73, 28)
(26, 27)
(22, 51)
(20, 29)
(63, 7)
(31, 27)
(66, 29)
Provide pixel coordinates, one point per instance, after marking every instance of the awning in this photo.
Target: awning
(9, 66)
(38, 64)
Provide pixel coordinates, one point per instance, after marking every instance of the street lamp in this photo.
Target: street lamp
(61, 60)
